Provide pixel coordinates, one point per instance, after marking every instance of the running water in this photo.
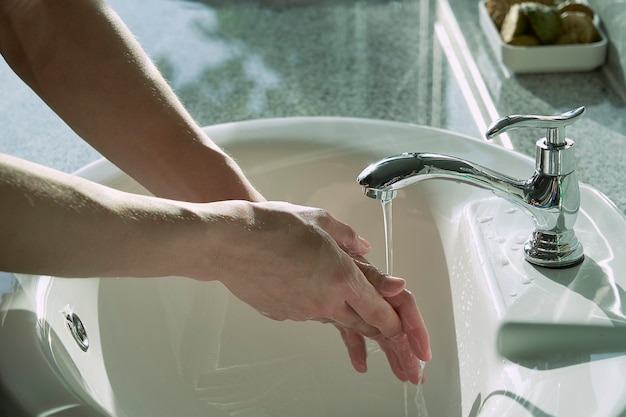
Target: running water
(420, 404)
(387, 223)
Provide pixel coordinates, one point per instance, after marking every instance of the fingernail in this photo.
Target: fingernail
(392, 286)
(364, 244)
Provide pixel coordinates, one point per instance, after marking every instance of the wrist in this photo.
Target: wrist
(200, 172)
(210, 243)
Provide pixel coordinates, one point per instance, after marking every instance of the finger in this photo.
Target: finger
(368, 303)
(373, 308)
(394, 361)
(410, 363)
(355, 343)
(345, 236)
(346, 317)
(386, 285)
(394, 291)
(405, 365)
(412, 323)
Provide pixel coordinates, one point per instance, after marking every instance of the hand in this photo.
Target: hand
(293, 263)
(289, 262)
(404, 350)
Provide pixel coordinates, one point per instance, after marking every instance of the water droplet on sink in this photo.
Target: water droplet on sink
(511, 210)
(513, 294)
(525, 281)
(500, 239)
(520, 239)
(485, 219)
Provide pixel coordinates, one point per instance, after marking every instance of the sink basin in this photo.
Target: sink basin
(174, 346)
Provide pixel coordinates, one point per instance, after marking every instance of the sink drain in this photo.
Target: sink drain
(75, 325)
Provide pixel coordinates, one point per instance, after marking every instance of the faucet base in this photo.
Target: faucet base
(554, 250)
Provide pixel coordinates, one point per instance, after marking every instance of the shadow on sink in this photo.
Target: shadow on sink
(531, 408)
(546, 346)
(24, 357)
(597, 285)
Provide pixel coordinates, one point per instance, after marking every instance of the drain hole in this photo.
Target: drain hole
(75, 325)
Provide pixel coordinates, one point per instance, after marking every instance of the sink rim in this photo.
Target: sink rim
(224, 134)
(343, 128)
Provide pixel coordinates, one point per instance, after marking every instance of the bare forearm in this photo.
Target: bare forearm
(281, 259)
(55, 223)
(81, 59)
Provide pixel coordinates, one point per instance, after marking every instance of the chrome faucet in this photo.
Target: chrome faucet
(551, 196)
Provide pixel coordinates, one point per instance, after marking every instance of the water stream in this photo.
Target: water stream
(420, 403)
(388, 225)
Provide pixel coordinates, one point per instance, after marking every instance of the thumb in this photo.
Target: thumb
(345, 236)
(386, 285)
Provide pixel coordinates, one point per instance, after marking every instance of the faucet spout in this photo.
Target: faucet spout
(551, 201)
(384, 178)
(550, 196)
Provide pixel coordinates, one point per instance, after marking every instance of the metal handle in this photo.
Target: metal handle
(555, 125)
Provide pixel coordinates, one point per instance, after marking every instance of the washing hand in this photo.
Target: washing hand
(302, 264)
(286, 261)
(404, 350)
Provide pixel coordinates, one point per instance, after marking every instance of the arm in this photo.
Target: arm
(49, 217)
(82, 60)
(87, 67)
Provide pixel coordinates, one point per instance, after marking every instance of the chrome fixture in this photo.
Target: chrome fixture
(551, 196)
(76, 327)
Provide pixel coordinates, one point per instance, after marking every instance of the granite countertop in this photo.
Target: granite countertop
(600, 136)
(249, 59)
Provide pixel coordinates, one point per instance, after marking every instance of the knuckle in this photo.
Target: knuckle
(322, 217)
(370, 332)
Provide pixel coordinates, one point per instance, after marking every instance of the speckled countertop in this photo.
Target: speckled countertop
(248, 59)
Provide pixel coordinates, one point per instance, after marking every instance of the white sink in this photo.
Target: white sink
(173, 346)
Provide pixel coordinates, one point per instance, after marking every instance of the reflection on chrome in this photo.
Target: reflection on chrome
(551, 196)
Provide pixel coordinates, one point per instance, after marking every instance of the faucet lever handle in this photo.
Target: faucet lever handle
(555, 125)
